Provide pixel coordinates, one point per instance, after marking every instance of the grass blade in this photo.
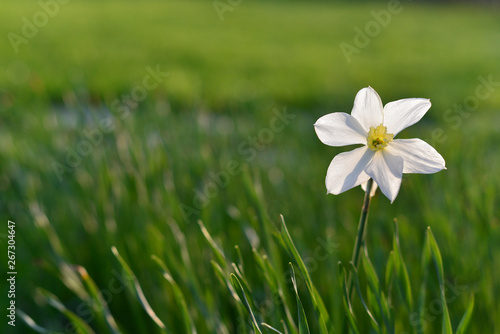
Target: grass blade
(346, 300)
(401, 273)
(426, 261)
(438, 262)
(32, 324)
(179, 297)
(355, 277)
(464, 323)
(275, 285)
(226, 282)
(99, 305)
(389, 273)
(253, 189)
(303, 326)
(135, 288)
(319, 306)
(374, 284)
(241, 293)
(79, 325)
(271, 328)
(219, 254)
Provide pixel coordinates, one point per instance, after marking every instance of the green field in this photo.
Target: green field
(198, 147)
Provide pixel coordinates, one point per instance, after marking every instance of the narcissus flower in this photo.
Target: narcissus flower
(382, 158)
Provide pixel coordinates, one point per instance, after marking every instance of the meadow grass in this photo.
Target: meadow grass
(227, 82)
(260, 52)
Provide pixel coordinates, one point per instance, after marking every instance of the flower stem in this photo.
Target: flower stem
(361, 231)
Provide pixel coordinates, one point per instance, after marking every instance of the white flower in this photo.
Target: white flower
(382, 158)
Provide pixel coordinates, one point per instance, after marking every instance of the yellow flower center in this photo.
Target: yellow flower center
(378, 138)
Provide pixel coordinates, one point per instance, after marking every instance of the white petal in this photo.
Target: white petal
(387, 170)
(418, 156)
(346, 170)
(400, 114)
(339, 129)
(368, 109)
(374, 188)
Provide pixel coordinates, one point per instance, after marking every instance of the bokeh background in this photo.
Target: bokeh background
(120, 122)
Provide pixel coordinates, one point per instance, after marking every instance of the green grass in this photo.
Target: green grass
(225, 80)
(260, 52)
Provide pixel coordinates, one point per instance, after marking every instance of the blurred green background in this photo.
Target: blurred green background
(77, 69)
